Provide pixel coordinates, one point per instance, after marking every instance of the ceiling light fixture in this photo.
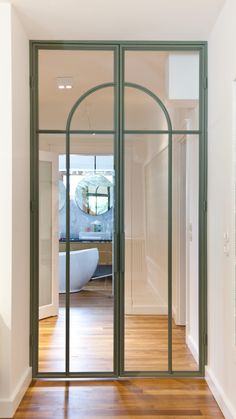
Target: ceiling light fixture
(64, 82)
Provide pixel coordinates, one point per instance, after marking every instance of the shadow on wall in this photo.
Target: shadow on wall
(4, 359)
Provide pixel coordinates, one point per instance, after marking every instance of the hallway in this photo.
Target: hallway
(146, 337)
(118, 150)
(137, 398)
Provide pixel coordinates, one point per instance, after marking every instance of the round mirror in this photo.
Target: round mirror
(62, 195)
(93, 195)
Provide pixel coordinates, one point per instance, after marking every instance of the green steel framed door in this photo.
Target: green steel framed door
(163, 209)
(153, 133)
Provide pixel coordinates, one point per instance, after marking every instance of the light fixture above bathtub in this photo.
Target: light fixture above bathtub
(64, 82)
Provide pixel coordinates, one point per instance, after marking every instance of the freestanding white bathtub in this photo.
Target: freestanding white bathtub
(83, 264)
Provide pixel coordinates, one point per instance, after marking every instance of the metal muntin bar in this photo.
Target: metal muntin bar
(127, 132)
(174, 132)
(161, 48)
(92, 374)
(120, 221)
(127, 374)
(75, 131)
(200, 208)
(34, 216)
(125, 84)
(67, 334)
(170, 253)
(73, 46)
(202, 216)
(204, 174)
(157, 373)
(127, 45)
(116, 307)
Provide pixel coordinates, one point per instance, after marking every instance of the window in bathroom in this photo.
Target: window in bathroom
(91, 195)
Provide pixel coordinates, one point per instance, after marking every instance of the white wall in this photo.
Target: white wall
(156, 204)
(221, 370)
(137, 296)
(14, 212)
(6, 203)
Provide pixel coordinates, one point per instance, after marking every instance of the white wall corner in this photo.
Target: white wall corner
(225, 405)
(193, 347)
(174, 313)
(8, 406)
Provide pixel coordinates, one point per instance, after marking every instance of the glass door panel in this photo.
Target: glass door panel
(171, 75)
(64, 76)
(146, 252)
(51, 316)
(96, 112)
(185, 256)
(142, 112)
(78, 337)
(92, 179)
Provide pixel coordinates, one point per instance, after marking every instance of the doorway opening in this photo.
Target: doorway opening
(118, 216)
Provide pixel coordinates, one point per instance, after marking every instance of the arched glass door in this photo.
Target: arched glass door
(118, 209)
(161, 211)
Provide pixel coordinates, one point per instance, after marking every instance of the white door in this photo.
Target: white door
(48, 235)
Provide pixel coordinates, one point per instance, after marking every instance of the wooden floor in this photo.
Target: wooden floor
(91, 337)
(144, 398)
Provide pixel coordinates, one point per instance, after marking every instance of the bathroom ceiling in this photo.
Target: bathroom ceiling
(118, 19)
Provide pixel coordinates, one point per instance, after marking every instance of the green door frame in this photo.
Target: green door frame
(119, 49)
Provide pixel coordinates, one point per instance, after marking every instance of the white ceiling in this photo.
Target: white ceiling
(118, 19)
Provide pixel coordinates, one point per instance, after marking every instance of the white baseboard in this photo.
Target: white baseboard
(193, 347)
(225, 405)
(9, 406)
(174, 313)
(148, 309)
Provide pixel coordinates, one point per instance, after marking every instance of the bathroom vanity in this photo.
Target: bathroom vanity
(104, 248)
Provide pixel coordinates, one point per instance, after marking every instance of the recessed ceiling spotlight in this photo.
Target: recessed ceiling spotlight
(64, 82)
